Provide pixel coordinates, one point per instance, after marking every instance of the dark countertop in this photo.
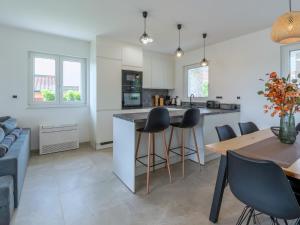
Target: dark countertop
(142, 116)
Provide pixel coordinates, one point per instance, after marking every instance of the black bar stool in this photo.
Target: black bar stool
(190, 119)
(157, 122)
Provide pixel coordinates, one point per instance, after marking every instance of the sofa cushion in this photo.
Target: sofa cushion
(2, 134)
(3, 118)
(16, 132)
(6, 143)
(9, 125)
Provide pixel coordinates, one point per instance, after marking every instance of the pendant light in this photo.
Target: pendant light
(179, 51)
(145, 38)
(204, 61)
(286, 29)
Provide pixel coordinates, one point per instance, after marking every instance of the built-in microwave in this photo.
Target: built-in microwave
(131, 89)
(132, 78)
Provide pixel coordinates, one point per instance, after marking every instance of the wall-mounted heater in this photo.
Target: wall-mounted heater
(56, 138)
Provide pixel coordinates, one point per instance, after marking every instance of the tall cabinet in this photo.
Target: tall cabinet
(110, 57)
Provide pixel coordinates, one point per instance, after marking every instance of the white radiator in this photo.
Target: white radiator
(56, 138)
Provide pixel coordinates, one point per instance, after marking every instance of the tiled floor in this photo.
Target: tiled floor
(79, 188)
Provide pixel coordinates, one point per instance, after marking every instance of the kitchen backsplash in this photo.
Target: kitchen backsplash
(148, 93)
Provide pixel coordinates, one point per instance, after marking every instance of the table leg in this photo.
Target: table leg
(219, 190)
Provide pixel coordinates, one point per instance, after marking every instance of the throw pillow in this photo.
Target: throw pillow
(2, 134)
(9, 125)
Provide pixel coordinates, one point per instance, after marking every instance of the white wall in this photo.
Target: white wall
(14, 47)
(235, 67)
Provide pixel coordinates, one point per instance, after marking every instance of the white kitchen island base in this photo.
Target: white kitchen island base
(125, 166)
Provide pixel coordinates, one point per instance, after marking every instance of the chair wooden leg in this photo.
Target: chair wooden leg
(138, 145)
(153, 152)
(182, 150)
(167, 155)
(148, 164)
(196, 145)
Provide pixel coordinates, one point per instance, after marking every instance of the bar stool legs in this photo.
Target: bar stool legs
(148, 164)
(151, 154)
(182, 151)
(182, 147)
(166, 154)
(196, 145)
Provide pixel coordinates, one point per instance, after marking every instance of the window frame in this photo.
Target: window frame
(285, 55)
(186, 68)
(59, 59)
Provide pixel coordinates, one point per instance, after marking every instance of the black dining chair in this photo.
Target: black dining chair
(157, 122)
(225, 132)
(262, 186)
(190, 120)
(248, 128)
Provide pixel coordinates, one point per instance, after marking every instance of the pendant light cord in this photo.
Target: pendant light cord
(179, 38)
(204, 48)
(290, 4)
(145, 24)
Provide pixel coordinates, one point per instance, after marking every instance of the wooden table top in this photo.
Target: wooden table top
(250, 144)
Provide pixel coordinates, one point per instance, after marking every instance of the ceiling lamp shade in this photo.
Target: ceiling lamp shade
(204, 61)
(179, 52)
(145, 38)
(286, 29)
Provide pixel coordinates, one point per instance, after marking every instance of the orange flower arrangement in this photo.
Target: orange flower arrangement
(283, 94)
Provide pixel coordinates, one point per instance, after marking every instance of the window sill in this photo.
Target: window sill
(83, 105)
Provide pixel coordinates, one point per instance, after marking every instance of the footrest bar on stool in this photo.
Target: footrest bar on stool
(188, 154)
(155, 164)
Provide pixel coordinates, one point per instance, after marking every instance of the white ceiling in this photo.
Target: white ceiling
(122, 20)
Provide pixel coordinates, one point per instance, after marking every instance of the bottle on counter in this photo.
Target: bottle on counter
(161, 101)
(178, 101)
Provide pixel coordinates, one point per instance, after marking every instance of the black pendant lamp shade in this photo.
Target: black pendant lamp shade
(145, 38)
(204, 61)
(179, 51)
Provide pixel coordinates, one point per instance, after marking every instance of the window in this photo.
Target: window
(57, 80)
(196, 80)
(290, 60)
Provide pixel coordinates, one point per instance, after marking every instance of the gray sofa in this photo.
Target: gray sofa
(12, 170)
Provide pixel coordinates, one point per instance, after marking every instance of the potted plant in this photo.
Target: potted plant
(283, 93)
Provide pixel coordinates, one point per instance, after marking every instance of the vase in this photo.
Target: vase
(287, 131)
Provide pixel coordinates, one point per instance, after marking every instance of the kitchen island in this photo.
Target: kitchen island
(125, 138)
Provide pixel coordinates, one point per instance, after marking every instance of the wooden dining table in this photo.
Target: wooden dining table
(262, 145)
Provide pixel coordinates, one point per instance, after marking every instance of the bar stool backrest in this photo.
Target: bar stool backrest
(225, 132)
(248, 128)
(191, 118)
(158, 120)
(262, 185)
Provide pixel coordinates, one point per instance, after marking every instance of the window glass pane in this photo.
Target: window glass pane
(294, 63)
(44, 80)
(198, 81)
(72, 85)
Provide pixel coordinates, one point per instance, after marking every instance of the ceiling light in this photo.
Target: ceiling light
(204, 61)
(179, 51)
(286, 29)
(145, 38)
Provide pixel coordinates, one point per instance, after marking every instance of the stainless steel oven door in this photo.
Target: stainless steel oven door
(133, 99)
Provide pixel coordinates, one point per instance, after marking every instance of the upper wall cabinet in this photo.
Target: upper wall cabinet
(109, 49)
(158, 71)
(132, 56)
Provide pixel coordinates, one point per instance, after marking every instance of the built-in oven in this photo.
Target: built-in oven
(131, 89)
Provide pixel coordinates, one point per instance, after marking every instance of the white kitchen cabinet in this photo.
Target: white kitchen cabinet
(147, 70)
(109, 49)
(105, 127)
(109, 80)
(158, 71)
(132, 56)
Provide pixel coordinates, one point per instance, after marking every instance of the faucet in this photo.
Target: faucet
(191, 96)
